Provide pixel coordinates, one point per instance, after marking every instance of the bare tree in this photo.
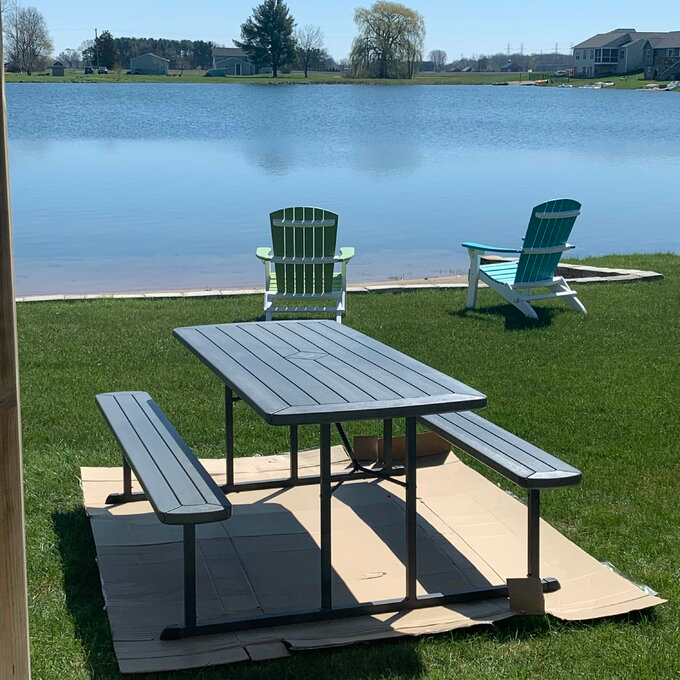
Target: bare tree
(70, 58)
(308, 46)
(28, 43)
(438, 59)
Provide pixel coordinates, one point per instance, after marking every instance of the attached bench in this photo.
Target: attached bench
(178, 487)
(522, 463)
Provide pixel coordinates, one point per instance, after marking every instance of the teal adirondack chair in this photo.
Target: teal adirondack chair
(544, 243)
(304, 280)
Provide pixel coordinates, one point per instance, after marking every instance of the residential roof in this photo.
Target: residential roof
(228, 52)
(623, 37)
(149, 54)
(670, 41)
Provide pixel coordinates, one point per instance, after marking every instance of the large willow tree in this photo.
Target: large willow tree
(390, 41)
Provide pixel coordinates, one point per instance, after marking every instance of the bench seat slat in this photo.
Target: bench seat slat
(176, 484)
(518, 460)
(165, 454)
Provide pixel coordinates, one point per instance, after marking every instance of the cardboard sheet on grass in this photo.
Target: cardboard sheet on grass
(265, 558)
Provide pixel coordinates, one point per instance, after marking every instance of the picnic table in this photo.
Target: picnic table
(322, 373)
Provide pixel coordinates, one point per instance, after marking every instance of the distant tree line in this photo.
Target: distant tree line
(495, 62)
(117, 52)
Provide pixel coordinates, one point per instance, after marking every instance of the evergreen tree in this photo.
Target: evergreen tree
(267, 36)
(102, 51)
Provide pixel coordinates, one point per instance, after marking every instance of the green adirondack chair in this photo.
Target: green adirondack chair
(304, 280)
(544, 243)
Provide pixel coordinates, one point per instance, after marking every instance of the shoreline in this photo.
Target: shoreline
(633, 82)
(571, 272)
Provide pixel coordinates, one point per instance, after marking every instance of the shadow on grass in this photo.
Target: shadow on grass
(82, 590)
(513, 318)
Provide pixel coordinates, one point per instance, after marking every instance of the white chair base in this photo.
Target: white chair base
(519, 296)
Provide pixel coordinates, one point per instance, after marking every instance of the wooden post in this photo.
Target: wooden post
(14, 654)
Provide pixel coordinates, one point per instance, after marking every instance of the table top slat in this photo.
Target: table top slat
(410, 371)
(313, 388)
(277, 382)
(328, 373)
(366, 380)
(365, 368)
(223, 365)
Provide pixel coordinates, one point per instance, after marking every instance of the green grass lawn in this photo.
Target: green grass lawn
(601, 391)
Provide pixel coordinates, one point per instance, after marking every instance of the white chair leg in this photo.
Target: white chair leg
(473, 279)
(526, 309)
(573, 302)
(340, 311)
(576, 305)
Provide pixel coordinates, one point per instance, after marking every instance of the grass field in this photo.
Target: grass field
(620, 83)
(601, 391)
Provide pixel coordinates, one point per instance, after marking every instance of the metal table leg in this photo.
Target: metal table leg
(293, 453)
(387, 445)
(229, 433)
(325, 511)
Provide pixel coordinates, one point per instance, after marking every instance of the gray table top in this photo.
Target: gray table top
(305, 372)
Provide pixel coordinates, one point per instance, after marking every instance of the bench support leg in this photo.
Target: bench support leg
(533, 532)
(127, 495)
(411, 512)
(190, 576)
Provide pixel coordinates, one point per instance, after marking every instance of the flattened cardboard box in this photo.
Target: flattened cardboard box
(265, 559)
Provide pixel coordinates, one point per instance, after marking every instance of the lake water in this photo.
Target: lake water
(151, 186)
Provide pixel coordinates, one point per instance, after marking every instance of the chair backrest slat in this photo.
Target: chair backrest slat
(549, 226)
(309, 233)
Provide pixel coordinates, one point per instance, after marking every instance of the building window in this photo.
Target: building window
(592, 54)
(622, 54)
(578, 54)
(648, 54)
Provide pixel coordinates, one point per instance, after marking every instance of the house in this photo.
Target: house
(149, 65)
(231, 61)
(510, 67)
(57, 69)
(625, 50)
(661, 60)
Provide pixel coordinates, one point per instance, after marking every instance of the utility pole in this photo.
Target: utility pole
(508, 49)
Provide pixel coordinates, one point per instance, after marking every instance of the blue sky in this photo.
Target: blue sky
(462, 27)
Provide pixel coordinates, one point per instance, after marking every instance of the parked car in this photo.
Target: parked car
(102, 70)
(89, 70)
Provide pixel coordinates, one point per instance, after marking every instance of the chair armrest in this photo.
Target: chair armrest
(264, 254)
(346, 254)
(489, 249)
